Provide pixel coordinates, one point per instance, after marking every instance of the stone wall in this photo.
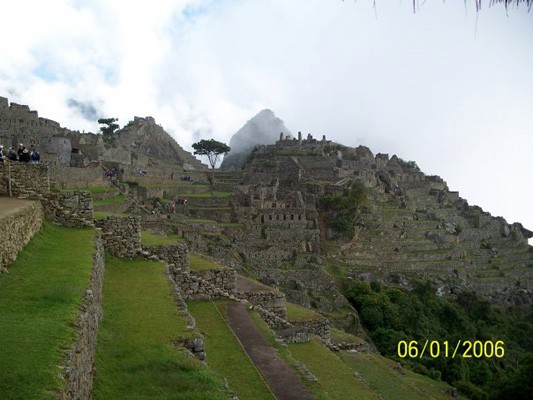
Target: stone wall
(121, 236)
(294, 334)
(71, 177)
(176, 255)
(224, 278)
(31, 181)
(195, 287)
(78, 370)
(18, 227)
(24, 180)
(69, 209)
(272, 301)
(319, 328)
(204, 285)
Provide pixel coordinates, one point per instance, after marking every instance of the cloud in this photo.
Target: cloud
(429, 86)
(87, 110)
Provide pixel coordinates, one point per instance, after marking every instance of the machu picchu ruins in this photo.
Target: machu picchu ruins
(275, 248)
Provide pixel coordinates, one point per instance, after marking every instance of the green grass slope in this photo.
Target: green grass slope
(136, 355)
(39, 302)
(336, 379)
(347, 375)
(225, 354)
(383, 377)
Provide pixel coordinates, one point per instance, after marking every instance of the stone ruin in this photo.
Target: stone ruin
(64, 147)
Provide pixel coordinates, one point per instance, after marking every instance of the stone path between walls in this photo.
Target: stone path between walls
(281, 379)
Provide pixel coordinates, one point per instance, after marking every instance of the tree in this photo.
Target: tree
(109, 129)
(212, 149)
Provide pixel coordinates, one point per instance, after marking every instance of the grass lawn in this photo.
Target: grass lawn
(151, 240)
(335, 378)
(118, 199)
(39, 301)
(378, 371)
(103, 214)
(225, 354)
(199, 263)
(92, 189)
(136, 357)
(212, 193)
(231, 224)
(299, 313)
(339, 336)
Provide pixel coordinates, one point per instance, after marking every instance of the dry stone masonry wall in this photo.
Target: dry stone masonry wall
(319, 328)
(78, 371)
(69, 209)
(32, 181)
(24, 180)
(272, 301)
(18, 228)
(121, 236)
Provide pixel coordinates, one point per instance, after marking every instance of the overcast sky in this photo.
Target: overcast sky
(445, 86)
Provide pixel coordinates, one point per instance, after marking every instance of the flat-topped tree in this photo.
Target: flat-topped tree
(212, 149)
(109, 129)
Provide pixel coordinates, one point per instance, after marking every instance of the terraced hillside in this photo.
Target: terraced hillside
(138, 355)
(39, 302)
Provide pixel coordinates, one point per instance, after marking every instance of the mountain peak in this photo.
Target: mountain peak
(263, 128)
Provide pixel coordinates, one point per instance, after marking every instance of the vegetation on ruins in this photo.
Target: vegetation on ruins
(412, 165)
(391, 315)
(212, 149)
(343, 209)
(108, 129)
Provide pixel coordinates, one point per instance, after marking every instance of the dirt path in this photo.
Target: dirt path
(10, 204)
(281, 379)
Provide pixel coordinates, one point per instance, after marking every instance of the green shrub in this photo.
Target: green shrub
(343, 210)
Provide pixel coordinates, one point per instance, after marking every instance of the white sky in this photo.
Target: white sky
(429, 86)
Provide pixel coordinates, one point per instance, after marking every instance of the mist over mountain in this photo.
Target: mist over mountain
(264, 128)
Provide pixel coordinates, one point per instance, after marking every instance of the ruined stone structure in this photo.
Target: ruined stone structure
(413, 225)
(141, 144)
(29, 181)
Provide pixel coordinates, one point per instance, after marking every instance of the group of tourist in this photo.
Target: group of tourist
(22, 154)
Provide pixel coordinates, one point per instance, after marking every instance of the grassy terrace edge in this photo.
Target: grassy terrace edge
(39, 304)
(224, 352)
(138, 355)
